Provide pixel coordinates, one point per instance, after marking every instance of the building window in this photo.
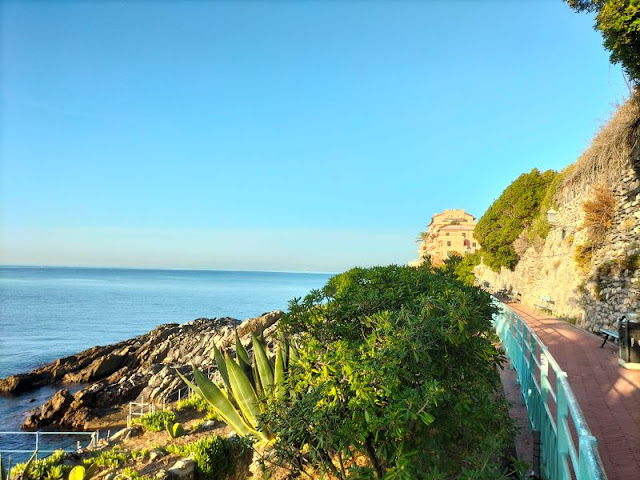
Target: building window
(474, 244)
(464, 235)
(447, 234)
(448, 243)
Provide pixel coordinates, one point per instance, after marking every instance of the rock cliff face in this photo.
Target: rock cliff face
(142, 366)
(591, 286)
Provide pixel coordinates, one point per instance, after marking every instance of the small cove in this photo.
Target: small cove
(53, 312)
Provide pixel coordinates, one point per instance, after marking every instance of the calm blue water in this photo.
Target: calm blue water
(48, 313)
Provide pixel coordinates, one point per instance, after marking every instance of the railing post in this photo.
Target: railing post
(562, 414)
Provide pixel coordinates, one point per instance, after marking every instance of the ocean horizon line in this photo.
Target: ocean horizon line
(173, 269)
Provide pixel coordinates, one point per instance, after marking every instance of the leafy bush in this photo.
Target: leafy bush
(114, 458)
(214, 456)
(395, 377)
(199, 404)
(192, 402)
(461, 267)
(515, 209)
(51, 467)
(619, 22)
(155, 422)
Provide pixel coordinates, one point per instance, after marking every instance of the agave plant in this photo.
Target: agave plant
(2, 475)
(246, 386)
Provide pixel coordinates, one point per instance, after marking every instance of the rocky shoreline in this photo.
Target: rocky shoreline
(144, 366)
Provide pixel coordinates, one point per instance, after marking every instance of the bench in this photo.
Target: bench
(608, 333)
(545, 305)
(611, 333)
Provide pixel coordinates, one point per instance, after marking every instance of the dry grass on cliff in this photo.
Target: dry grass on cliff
(611, 148)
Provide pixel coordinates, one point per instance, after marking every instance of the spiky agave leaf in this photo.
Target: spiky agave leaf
(245, 396)
(278, 376)
(222, 367)
(26, 473)
(221, 403)
(241, 352)
(263, 366)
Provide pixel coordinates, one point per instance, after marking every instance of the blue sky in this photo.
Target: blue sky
(279, 135)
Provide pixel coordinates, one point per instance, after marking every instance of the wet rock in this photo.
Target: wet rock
(51, 411)
(146, 365)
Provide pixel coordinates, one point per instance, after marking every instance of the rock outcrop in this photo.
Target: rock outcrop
(142, 366)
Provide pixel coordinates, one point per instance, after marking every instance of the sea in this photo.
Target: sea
(52, 312)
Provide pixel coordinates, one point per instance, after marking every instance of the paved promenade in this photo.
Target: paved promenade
(609, 395)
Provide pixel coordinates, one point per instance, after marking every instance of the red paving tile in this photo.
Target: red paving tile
(608, 394)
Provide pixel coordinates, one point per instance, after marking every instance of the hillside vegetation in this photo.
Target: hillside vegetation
(520, 208)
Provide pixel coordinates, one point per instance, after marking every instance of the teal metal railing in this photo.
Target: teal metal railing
(554, 413)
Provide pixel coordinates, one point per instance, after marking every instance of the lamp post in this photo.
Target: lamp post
(552, 215)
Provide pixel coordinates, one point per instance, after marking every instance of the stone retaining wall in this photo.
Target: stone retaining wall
(601, 291)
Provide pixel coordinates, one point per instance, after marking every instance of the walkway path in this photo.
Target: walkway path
(608, 394)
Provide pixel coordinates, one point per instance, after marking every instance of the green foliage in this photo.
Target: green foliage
(215, 456)
(130, 473)
(3, 476)
(247, 387)
(395, 377)
(113, 458)
(155, 422)
(461, 267)
(619, 23)
(510, 214)
(199, 404)
(630, 262)
(51, 467)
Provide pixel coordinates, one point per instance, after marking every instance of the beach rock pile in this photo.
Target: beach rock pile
(144, 366)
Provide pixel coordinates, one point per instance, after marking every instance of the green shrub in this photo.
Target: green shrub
(395, 377)
(215, 456)
(51, 467)
(192, 402)
(155, 422)
(197, 403)
(114, 458)
(619, 23)
(516, 209)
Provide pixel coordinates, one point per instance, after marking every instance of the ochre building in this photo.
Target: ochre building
(449, 233)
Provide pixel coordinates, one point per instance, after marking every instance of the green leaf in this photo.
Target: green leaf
(241, 352)
(223, 407)
(278, 377)
(222, 367)
(245, 395)
(263, 365)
